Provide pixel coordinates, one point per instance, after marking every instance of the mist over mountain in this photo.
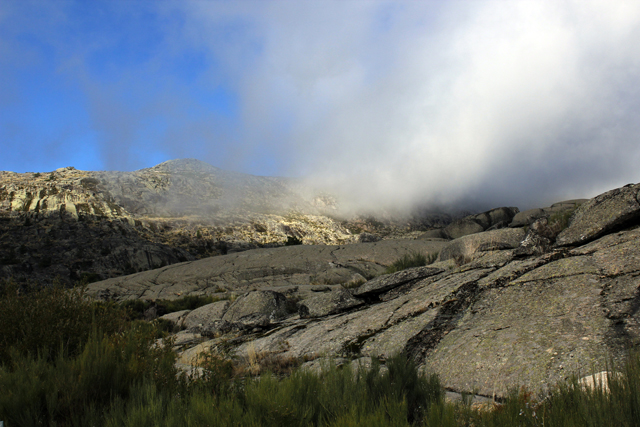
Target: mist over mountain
(82, 225)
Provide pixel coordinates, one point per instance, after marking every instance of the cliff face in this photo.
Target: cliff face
(81, 225)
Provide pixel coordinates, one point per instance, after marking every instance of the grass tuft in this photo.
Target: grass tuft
(410, 260)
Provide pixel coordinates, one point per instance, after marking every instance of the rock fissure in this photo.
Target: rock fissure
(450, 312)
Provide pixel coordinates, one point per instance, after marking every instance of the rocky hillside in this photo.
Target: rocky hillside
(80, 225)
(514, 298)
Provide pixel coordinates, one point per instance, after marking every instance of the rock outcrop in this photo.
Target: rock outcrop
(490, 220)
(498, 318)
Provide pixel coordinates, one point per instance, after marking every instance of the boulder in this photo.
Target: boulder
(462, 227)
(538, 239)
(524, 218)
(464, 247)
(368, 238)
(258, 308)
(495, 218)
(601, 215)
(206, 314)
(328, 303)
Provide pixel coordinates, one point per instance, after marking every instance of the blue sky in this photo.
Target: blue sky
(387, 101)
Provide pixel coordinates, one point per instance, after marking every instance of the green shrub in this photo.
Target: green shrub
(560, 220)
(292, 241)
(76, 390)
(137, 307)
(189, 302)
(51, 319)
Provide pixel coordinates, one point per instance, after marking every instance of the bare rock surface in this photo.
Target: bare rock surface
(269, 268)
(601, 215)
(259, 308)
(464, 247)
(493, 322)
(203, 316)
(328, 303)
(387, 282)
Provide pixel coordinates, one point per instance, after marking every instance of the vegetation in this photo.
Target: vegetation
(292, 241)
(410, 260)
(560, 220)
(189, 302)
(355, 284)
(67, 361)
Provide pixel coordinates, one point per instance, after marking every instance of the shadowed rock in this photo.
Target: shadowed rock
(493, 219)
(177, 317)
(206, 314)
(74, 226)
(259, 308)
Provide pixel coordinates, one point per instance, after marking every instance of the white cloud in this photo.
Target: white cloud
(501, 102)
(393, 102)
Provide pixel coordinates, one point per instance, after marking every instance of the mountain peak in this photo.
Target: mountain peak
(184, 165)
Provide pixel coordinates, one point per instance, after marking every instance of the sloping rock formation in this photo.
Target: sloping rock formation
(495, 320)
(302, 269)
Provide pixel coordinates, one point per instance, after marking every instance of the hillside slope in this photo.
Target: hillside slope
(554, 294)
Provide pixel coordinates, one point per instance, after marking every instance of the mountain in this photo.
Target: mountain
(515, 299)
(74, 225)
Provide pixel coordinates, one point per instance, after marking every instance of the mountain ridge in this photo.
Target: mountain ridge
(178, 210)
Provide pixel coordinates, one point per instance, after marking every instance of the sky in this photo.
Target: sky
(396, 103)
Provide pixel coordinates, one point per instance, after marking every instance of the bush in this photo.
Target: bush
(292, 241)
(49, 320)
(137, 307)
(77, 390)
(560, 220)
